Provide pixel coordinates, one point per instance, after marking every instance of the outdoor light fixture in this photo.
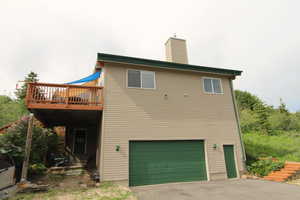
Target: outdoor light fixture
(165, 96)
(117, 147)
(215, 146)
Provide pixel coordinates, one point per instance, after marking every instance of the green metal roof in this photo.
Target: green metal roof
(163, 64)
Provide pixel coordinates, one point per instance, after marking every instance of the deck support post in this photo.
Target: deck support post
(27, 149)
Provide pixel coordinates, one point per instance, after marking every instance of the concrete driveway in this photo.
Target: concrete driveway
(224, 190)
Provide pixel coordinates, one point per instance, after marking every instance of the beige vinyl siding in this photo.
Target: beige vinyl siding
(185, 113)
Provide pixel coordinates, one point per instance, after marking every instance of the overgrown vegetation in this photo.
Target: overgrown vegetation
(283, 147)
(265, 166)
(268, 133)
(13, 109)
(43, 140)
(13, 141)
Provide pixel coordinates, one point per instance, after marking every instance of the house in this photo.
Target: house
(149, 121)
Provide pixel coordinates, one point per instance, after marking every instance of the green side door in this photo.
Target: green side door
(155, 162)
(230, 161)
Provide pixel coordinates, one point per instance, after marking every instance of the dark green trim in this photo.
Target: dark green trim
(162, 64)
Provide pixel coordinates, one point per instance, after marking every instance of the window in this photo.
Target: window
(140, 79)
(134, 78)
(212, 85)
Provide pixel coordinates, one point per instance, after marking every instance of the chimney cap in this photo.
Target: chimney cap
(175, 38)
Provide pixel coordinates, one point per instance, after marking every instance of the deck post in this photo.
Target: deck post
(27, 149)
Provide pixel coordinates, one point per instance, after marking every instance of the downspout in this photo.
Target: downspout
(236, 112)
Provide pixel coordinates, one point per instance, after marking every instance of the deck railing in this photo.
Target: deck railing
(62, 96)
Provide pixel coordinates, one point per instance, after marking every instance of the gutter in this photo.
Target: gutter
(236, 112)
(168, 68)
(165, 65)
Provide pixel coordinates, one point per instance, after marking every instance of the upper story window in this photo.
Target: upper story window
(140, 79)
(212, 85)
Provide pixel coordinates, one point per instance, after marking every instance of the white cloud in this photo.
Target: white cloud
(59, 39)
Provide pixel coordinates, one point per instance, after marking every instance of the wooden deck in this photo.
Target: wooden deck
(62, 96)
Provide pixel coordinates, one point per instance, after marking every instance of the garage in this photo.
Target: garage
(155, 162)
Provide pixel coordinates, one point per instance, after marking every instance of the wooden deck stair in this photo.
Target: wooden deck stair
(289, 170)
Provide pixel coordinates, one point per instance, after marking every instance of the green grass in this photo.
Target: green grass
(107, 185)
(285, 147)
(106, 191)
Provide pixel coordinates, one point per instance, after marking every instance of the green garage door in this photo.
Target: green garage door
(154, 162)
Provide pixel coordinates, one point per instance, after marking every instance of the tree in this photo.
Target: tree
(282, 107)
(246, 100)
(295, 121)
(250, 104)
(249, 121)
(5, 99)
(282, 122)
(11, 110)
(21, 92)
(263, 114)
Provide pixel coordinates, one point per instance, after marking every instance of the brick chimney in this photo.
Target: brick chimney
(176, 50)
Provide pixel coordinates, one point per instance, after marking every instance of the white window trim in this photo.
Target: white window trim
(154, 88)
(212, 85)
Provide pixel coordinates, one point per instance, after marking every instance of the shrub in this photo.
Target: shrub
(280, 121)
(11, 110)
(265, 166)
(249, 121)
(294, 122)
(37, 169)
(43, 141)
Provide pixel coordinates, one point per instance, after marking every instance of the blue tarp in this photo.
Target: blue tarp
(87, 79)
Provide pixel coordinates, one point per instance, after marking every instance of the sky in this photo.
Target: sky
(59, 39)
